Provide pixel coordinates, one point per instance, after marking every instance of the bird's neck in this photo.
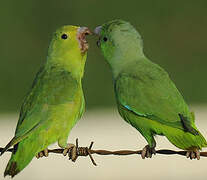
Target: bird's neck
(73, 63)
(122, 61)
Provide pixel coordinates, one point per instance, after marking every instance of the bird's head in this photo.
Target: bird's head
(69, 39)
(119, 41)
(68, 48)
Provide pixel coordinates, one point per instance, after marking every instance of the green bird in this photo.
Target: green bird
(146, 97)
(55, 101)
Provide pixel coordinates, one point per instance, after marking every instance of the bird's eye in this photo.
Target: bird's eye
(105, 39)
(64, 36)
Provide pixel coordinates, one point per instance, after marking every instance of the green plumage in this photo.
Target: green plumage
(54, 103)
(146, 97)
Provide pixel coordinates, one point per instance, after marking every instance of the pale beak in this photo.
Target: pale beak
(97, 31)
(81, 36)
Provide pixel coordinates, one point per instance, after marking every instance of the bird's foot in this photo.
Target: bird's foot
(195, 154)
(42, 153)
(147, 152)
(71, 150)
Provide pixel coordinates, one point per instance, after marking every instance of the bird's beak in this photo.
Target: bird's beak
(81, 36)
(97, 31)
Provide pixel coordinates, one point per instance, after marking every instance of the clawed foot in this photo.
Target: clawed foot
(71, 150)
(147, 152)
(193, 154)
(42, 153)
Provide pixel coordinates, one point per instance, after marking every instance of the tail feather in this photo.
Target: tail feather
(11, 169)
(23, 152)
(186, 140)
(20, 158)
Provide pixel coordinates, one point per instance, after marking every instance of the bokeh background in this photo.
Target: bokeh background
(174, 35)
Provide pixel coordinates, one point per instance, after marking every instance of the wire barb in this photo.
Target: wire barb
(84, 151)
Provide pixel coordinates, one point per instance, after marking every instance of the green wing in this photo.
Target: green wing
(29, 100)
(49, 88)
(148, 91)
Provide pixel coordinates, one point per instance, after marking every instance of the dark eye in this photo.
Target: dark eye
(64, 36)
(105, 39)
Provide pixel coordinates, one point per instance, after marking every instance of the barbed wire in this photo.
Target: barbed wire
(88, 151)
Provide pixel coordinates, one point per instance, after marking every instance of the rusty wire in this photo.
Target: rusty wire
(88, 151)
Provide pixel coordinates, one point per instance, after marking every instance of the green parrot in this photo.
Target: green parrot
(146, 97)
(55, 101)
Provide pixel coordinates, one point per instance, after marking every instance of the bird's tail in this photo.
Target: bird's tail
(186, 140)
(12, 168)
(20, 158)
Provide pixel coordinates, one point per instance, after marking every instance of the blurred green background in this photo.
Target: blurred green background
(174, 34)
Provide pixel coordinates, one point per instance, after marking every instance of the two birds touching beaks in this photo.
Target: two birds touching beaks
(146, 97)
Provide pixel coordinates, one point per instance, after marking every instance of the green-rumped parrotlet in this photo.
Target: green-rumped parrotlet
(146, 97)
(55, 101)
